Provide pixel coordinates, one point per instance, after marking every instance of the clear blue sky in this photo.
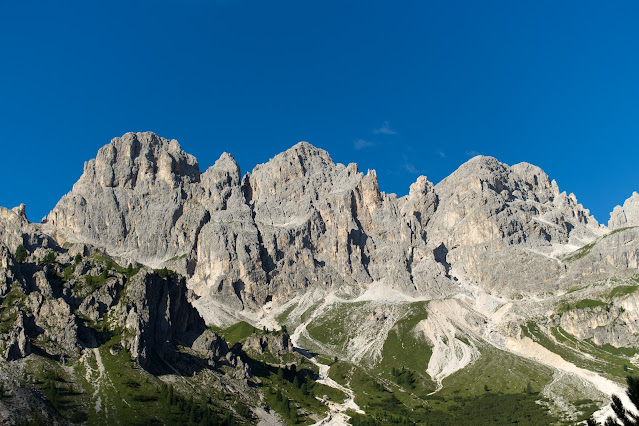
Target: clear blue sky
(405, 88)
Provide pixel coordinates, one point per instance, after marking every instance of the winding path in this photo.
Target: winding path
(336, 414)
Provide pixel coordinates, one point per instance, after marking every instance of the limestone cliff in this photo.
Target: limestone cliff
(626, 215)
(301, 220)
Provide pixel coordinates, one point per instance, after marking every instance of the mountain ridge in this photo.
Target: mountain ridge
(493, 259)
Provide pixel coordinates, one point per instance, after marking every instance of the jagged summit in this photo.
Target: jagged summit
(628, 215)
(140, 159)
(461, 269)
(299, 159)
(300, 219)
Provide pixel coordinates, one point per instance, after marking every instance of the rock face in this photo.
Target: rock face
(301, 220)
(304, 242)
(59, 299)
(628, 215)
(136, 199)
(498, 224)
(155, 313)
(277, 344)
(615, 324)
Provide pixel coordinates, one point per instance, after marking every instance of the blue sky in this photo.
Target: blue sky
(405, 88)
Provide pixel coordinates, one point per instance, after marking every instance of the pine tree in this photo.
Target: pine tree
(21, 254)
(192, 414)
(170, 398)
(625, 417)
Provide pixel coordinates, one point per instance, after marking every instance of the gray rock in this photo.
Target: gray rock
(154, 314)
(210, 346)
(301, 220)
(135, 200)
(60, 330)
(96, 304)
(278, 343)
(16, 343)
(628, 215)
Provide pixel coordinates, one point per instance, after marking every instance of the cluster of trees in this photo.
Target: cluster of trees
(181, 411)
(51, 390)
(404, 377)
(303, 390)
(283, 405)
(165, 273)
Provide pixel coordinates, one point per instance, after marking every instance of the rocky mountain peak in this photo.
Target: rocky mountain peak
(628, 215)
(140, 158)
(300, 219)
(486, 200)
(301, 159)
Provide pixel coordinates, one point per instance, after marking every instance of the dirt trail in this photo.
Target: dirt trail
(336, 415)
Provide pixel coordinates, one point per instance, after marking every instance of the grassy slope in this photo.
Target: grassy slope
(605, 360)
(385, 400)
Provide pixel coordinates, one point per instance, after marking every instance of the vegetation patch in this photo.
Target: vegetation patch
(293, 392)
(581, 304)
(585, 354)
(621, 291)
(9, 307)
(583, 251)
(579, 253)
(238, 332)
(335, 325)
(404, 347)
(464, 399)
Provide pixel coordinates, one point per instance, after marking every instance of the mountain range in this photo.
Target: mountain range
(301, 293)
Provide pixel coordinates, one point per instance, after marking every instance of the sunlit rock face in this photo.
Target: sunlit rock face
(626, 215)
(301, 221)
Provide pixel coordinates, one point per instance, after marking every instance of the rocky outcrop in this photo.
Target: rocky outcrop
(16, 344)
(97, 304)
(17, 230)
(616, 253)
(616, 323)
(277, 343)
(155, 315)
(628, 215)
(210, 346)
(60, 329)
(135, 199)
(485, 200)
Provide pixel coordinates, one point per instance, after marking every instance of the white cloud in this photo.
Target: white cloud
(472, 153)
(442, 154)
(361, 144)
(385, 130)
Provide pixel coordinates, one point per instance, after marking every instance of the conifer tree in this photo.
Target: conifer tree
(21, 254)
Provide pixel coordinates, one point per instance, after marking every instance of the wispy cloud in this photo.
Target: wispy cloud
(442, 154)
(361, 144)
(409, 167)
(472, 153)
(385, 130)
